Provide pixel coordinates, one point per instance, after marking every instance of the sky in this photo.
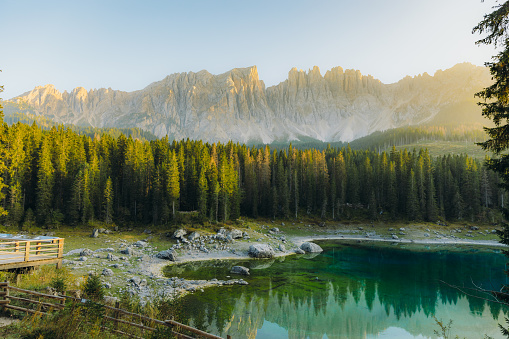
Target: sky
(126, 45)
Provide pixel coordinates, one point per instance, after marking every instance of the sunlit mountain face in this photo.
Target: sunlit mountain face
(339, 105)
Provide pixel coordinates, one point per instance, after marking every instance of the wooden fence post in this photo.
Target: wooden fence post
(27, 250)
(5, 294)
(60, 252)
(60, 248)
(116, 314)
(62, 302)
(6, 297)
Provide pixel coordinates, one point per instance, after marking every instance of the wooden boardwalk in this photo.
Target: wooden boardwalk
(20, 252)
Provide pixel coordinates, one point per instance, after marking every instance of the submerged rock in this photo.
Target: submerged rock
(311, 247)
(299, 251)
(240, 270)
(261, 251)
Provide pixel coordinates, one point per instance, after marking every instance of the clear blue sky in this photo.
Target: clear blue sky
(126, 45)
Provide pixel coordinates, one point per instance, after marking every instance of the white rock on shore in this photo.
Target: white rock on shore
(310, 247)
(261, 251)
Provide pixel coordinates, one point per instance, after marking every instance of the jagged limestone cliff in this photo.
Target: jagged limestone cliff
(340, 105)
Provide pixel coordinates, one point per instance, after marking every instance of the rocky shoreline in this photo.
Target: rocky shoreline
(136, 267)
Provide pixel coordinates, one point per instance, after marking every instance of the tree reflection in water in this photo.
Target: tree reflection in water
(350, 291)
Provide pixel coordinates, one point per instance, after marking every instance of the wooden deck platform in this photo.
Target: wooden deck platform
(20, 252)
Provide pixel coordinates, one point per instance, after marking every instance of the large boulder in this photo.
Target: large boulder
(193, 236)
(167, 255)
(108, 249)
(111, 257)
(140, 243)
(86, 252)
(135, 280)
(235, 234)
(180, 233)
(107, 272)
(240, 270)
(261, 251)
(73, 252)
(310, 247)
(95, 233)
(128, 251)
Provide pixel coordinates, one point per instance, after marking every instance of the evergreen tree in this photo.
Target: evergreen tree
(108, 201)
(213, 191)
(202, 193)
(173, 177)
(430, 188)
(45, 180)
(495, 106)
(372, 206)
(412, 201)
(16, 208)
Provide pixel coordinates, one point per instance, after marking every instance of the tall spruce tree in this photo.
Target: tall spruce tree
(108, 201)
(202, 193)
(173, 187)
(45, 180)
(495, 106)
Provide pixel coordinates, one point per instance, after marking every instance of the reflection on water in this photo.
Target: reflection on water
(349, 291)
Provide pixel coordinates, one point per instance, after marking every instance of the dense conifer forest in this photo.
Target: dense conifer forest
(53, 176)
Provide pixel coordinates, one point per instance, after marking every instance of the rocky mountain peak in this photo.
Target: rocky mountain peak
(235, 105)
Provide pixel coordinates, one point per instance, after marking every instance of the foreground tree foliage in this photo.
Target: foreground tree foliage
(58, 176)
(495, 106)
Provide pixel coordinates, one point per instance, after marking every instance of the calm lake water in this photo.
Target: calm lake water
(367, 290)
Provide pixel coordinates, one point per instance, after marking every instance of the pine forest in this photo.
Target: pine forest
(57, 176)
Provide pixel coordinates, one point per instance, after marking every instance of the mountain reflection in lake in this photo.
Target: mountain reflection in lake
(349, 291)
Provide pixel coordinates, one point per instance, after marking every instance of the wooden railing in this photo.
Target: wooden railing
(20, 252)
(43, 303)
(147, 324)
(115, 320)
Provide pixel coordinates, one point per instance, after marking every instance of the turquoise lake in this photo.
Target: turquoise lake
(351, 290)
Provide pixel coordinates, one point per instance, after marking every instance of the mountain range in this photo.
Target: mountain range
(340, 105)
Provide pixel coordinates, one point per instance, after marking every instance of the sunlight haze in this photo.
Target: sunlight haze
(127, 45)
